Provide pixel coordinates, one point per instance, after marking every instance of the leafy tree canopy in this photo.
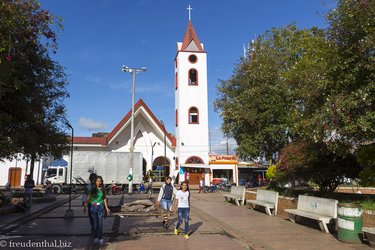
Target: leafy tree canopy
(305, 84)
(32, 85)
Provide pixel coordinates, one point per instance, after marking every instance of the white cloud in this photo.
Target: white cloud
(92, 79)
(90, 124)
(218, 142)
(143, 88)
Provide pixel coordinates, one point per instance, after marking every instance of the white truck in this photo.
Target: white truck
(112, 166)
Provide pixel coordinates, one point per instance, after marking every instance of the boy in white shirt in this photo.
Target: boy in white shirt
(183, 204)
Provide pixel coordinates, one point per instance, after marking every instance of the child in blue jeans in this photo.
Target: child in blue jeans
(183, 204)
(98, 201)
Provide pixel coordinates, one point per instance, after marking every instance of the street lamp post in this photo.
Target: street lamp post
(165, 146)
(134, 72)
(152, 153)
(70, 213)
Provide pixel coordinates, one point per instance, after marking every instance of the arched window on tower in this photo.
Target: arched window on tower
(193, 77)
(193, 115)
(194, 160)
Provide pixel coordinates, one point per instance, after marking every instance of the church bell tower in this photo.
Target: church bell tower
(191, 102)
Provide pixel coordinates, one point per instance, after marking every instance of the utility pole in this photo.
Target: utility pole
(133, 71)
(165, 147)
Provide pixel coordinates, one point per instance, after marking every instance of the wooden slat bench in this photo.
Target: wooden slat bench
(266, 199)
(320, 209)
(237, 193)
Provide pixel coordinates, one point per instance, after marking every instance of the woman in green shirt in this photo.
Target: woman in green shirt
(97, 200)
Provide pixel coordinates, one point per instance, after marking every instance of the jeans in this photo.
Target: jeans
(28, 197)
(166, 204)
(97, 213)
(90, 216)
(183, 214)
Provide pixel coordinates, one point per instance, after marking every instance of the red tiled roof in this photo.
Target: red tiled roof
(104, 141)
(139, 104)
(191, 35)
(90, 140)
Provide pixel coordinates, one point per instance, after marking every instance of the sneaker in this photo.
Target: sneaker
(101, 242)
(176, 231)
(186, 236)
(166, 224)
(96, 240)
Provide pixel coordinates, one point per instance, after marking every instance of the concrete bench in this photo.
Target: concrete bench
(320, 209)
(266, 199)
(369, 234)
(237, 193)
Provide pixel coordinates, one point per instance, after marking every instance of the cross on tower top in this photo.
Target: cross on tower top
(189, 9)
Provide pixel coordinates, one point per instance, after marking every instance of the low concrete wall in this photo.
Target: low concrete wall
(368, 216)
(356, 190)
(7, 209)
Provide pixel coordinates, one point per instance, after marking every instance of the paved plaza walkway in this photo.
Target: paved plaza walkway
(214, 224)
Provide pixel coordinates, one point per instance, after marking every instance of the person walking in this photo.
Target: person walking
(99, 207)
(201, 185)
(29, 185)
(85, 196)
(165, 198)
(150, 184)
(183, 205)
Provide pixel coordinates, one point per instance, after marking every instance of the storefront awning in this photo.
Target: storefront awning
(222, 166)
(194, 166)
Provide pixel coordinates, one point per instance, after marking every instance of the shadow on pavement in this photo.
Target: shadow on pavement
(194, 227)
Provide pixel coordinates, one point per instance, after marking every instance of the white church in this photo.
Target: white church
(187, 154)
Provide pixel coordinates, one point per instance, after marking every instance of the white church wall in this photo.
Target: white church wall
(22, 164)
(194, 137)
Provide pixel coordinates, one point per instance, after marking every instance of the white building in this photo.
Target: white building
(149, 134)
(14, 171)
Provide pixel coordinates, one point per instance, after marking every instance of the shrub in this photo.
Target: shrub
(366, 157)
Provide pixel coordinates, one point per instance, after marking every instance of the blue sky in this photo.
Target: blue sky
(100, 36)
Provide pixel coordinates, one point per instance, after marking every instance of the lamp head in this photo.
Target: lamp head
(125, 68)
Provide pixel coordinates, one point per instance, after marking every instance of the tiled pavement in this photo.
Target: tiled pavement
(214, 224)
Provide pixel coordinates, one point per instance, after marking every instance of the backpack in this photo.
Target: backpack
(167, 192)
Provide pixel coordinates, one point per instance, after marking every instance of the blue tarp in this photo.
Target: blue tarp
(59, 163)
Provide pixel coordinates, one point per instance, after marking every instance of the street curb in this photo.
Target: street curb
(30, 216)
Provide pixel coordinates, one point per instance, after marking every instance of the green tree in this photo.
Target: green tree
(308, 84)
(315, 162)
(264, 104)
(366, 157)
(271, 172)
(350, 103)
(32, 85)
